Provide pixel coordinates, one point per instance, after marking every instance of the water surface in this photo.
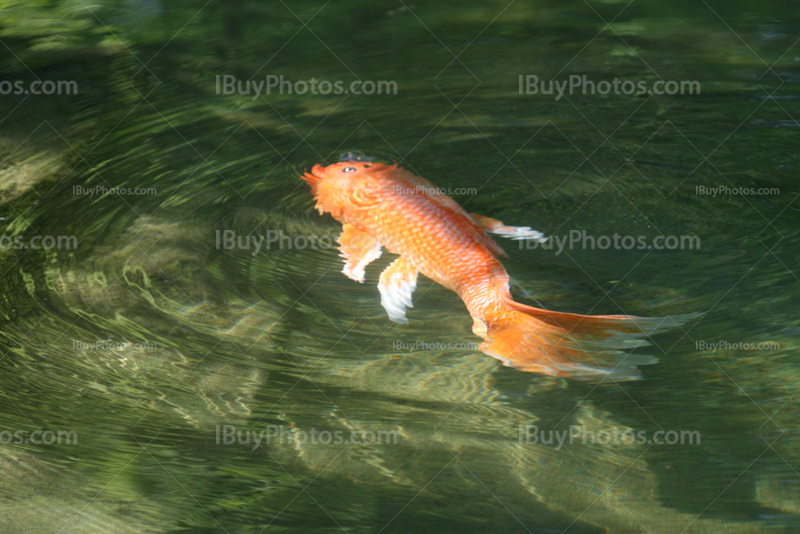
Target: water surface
(152, 343)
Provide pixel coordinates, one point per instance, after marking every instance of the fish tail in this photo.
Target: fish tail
(582, 347)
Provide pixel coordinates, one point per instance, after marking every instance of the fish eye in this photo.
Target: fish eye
(349, 169)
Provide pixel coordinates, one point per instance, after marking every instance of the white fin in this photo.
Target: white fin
(398, 282)
(493, 226)
(358, 249)
(354, 267)
(518, 233)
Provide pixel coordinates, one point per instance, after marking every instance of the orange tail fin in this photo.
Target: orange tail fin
(581, 347)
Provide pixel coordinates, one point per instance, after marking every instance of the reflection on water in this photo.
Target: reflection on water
(151, 342)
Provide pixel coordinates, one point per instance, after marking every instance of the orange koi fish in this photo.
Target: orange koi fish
(386, 206)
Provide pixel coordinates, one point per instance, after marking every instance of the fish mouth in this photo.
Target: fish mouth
(315, 176)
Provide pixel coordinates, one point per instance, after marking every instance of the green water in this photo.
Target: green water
(147, 342)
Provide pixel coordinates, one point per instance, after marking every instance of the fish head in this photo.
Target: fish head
(346, 184)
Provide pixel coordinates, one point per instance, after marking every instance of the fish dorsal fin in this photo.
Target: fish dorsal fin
(517, 233)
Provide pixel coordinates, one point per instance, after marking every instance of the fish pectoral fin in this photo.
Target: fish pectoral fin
(398, 282)
(359, 249)
(493, 226)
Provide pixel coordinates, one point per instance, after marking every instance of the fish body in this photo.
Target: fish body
(385, 206)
